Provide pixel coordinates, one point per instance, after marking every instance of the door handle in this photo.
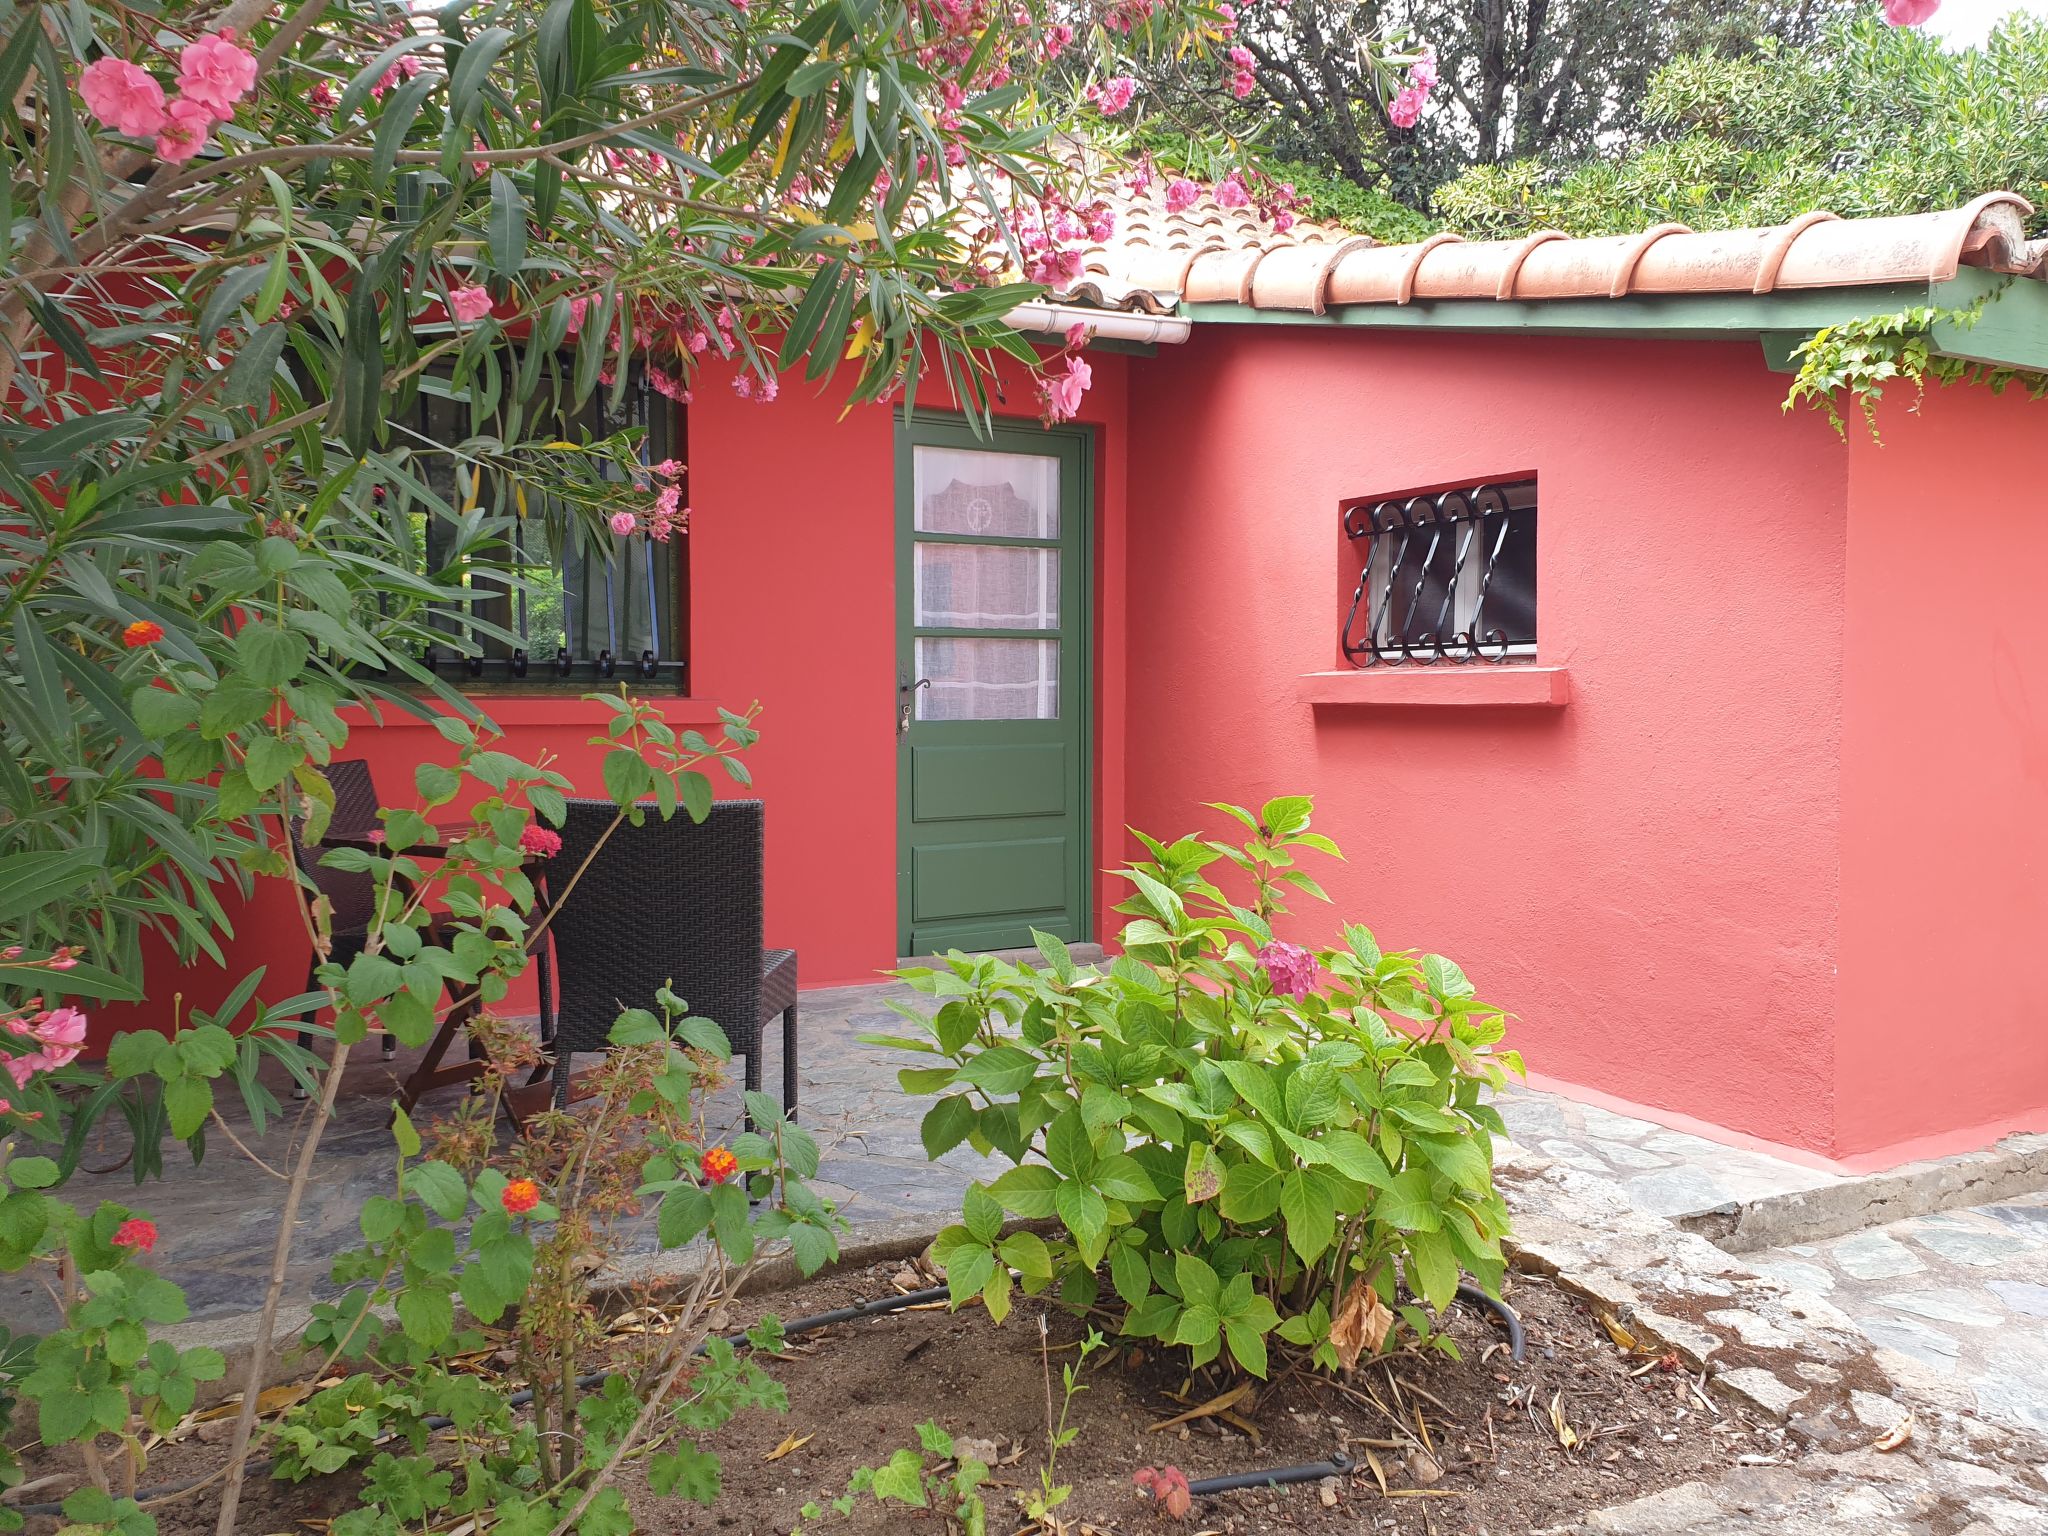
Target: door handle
(908, 690)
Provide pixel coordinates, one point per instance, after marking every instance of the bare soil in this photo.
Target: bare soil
(1486, 1457)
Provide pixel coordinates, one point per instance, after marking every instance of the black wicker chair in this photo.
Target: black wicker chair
(351, 895)
(675, 903)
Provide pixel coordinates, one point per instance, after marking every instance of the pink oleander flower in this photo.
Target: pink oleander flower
(1909, 13)
(184, 132)
(215, 73)
(1113, 95)
(1422, 74)
(470, 304)
(1290, 968)
(137, 1232)
(22, 1068)
(669, 469)
(124, 96)
(62, 1031)
(1181, 194)
(1405, 110)
(623, 523)
(537, 839)
(1057, 37)
(1061, 395)
(322, 98)
(1231, 193)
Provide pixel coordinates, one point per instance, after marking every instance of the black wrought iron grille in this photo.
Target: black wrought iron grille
(1450, 576)
(580, 616)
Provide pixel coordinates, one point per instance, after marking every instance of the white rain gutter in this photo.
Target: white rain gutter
(1111, 324)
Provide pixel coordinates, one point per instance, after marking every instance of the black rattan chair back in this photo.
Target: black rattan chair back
(675, 903)
(352, 893)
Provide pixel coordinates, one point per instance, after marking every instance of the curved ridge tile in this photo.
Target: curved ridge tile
(1221, 276)
(1297, 276)
(1575, 269)
(1467, 271)
(1706, 261)
(1772, 265)
(1639, 247)
(1520, 254)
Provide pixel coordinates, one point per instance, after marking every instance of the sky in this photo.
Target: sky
(1962, 22)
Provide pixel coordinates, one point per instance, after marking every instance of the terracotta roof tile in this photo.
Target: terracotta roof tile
(1208, 254)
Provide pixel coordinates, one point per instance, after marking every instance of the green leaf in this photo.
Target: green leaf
(1408, 1204)
(947, 1123)
(1129, 1273)
(1119, 1177)
(508, 226)
(269, 655)
(1068, 1147)
(685, 1473)
(33, 1173)
(1028, 1191)
(427, 1314)
(440, 1188)
(1000, 1071)
(1310, 1209)
(1081, 1209)
(1247, 1346)
(981, 1214)
(901, 1480)
(187, 1100)
(1251, 1193)
(1432, 1268)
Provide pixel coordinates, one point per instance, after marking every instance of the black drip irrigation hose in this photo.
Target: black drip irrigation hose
(1307, 1472)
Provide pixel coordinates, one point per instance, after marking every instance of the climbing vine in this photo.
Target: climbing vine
(1860, 358)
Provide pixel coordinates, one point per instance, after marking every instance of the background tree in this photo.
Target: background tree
(1551, 79)
(1867, 120)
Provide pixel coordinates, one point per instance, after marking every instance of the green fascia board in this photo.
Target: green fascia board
(2013, 332)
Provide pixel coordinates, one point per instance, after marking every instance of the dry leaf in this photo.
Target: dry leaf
(1379, 1473)
(790, 1443)
(270, 1400)
(1360, 1326)
(1623, 1339)
(1896, 1436)
(1566, 1435)
(1228, 1400)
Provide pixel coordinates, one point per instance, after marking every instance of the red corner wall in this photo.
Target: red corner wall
(1943, 999)
(1648, 877)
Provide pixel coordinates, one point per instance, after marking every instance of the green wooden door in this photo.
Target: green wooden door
(993, 607)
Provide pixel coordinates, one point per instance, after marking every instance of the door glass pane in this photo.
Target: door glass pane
(987, 586)
(989, 679)
(999, 495)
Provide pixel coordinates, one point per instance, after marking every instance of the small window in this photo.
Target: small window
(603, 607)
(1444, 576)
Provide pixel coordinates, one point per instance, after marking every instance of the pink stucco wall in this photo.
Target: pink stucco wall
(1649, 877)
(1943, 996)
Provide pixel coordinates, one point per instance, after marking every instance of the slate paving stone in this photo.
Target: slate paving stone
(1961, 1242)
(1874, 1256)
(2023, 1296)
(1622, 1155)
(1930, 1346)
(1945, 1307)
(1675, 1192)
(1800, 1277)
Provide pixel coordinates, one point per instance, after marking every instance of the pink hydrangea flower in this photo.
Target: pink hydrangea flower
(216, 73)
(184, 132)
(1909, 13)
(124, 96)
(470, 304)
(624, 523)
(1181, 194)
(1290, 968)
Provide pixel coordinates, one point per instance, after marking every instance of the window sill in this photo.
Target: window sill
(511, 710)
(1470, 685)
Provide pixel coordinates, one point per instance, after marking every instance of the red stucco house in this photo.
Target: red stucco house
(1741, 805)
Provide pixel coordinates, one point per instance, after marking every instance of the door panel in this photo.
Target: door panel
(984, 879)
(956, 782)
(993, 650)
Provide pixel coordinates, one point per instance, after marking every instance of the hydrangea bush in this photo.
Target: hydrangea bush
(1252, 1140)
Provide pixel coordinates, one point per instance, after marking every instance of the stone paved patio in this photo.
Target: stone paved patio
(1957, 1302)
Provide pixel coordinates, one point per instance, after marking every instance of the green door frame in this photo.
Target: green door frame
(1077, 520)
